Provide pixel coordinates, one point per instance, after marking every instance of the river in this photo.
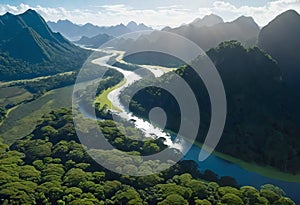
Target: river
(214, 163)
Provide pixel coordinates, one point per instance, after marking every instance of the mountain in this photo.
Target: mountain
(94, 42)
(133, 26)
(262, 122)
(209, 20)
(280, 38)
(211, 30)
(75, 32)
(33, 48)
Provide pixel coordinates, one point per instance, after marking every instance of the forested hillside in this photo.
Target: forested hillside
(262, 121)
(28, 48)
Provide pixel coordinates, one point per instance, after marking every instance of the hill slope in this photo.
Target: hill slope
(280, 38)
(27, 41)
(209, 33)
(262, 116)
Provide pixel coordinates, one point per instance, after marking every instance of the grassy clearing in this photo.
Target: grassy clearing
(103, 97)
(22, 119)
(13, 95)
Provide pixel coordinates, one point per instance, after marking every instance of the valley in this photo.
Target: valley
(90, 121)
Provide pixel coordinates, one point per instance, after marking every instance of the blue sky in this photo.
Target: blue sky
(71, 4)
(157, 13)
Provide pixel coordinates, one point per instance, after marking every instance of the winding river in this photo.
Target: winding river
(216, 164)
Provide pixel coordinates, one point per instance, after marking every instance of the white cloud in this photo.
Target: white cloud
(262, 14)
(172, 15)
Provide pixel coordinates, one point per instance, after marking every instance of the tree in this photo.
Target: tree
(110, 187)
(49, 131)
(232, 199)
(168, 189)
(37, 149)
(250, 194)
(174, 199)
(18, 192)
(129, 196)
(149, 180)
(87, 186)
(199, 188)
(99, 176)
(273, 188)
(226, 190)
(74, 176)
(227, 181)
(202, 202)
(270, 195)
(29, 173)
(284, 201)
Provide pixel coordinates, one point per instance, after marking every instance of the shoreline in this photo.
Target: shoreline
(266, 171)
(103, 97)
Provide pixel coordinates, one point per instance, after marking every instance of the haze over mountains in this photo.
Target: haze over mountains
(207, 32)
(95, 41)
(75, 32)
(212, 30)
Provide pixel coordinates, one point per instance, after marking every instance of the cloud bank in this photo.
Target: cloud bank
(172, 15)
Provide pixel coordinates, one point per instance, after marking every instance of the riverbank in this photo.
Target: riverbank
(266, 171)
(103, 97)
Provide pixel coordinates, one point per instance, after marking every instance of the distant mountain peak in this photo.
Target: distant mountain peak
(64, 21)
(30, 12)
(8, 14)
(212, 16)
(208, 20)
(287, 16)
(290, 12)
(132, 23)
(133, 26)
(280, 38)
(245, 19)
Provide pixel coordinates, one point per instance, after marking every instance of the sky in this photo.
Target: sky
(156, 13)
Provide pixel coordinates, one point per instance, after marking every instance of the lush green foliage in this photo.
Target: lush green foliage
(28, 48)
(262, 117)
(49, 83)
(51, 167)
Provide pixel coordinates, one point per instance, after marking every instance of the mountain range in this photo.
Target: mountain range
(207, 32)
(262, 115)
(74, 31)
(212, 30)
(34, 49)
(95, 41)
(262, 122)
